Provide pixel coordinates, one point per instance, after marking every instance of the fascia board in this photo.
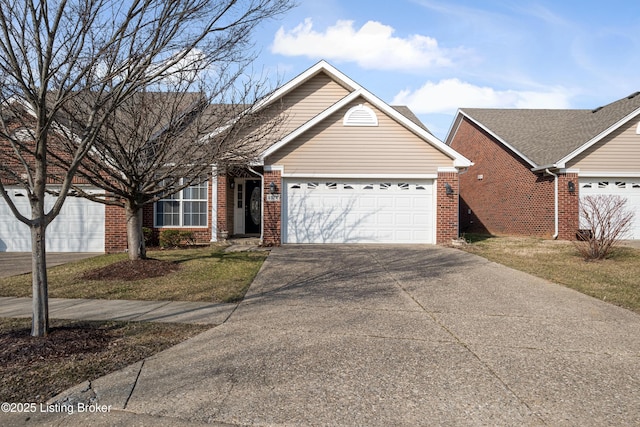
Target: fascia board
(459, 160)
(502, 141)
(303, 77)
(291, 85)
(598, 137)
(311, 123)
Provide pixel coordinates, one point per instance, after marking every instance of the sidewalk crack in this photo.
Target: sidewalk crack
(135, 383)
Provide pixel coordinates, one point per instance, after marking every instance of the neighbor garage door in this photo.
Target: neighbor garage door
(358, 211)
(78, 228)
(624, 187)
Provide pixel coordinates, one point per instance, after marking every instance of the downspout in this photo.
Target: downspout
(261, 203)
(555, 194)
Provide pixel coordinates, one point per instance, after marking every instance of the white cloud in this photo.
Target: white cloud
(448, 95)
(373, 46)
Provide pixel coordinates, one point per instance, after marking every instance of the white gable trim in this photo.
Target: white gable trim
(311, 123)
(597, 138)
(459, 161)
(306, 75)
(502, 141)
(361, 175)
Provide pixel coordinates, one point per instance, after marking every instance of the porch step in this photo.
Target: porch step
(248, 241)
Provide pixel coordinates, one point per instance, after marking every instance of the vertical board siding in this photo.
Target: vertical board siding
(331, 147)
(619, 151)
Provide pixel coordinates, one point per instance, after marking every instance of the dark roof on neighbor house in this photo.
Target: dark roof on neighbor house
(405, 111)
(546, 136)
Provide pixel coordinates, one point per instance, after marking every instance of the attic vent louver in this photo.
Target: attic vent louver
(360, 115)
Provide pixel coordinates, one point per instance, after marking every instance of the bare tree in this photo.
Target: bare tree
(94, 56)
(605, 221)
(159, 143)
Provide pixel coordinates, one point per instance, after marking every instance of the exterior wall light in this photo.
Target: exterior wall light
(572, 187)
(272, 188)
(448, 189)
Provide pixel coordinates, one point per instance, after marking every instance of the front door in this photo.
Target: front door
(252, 207)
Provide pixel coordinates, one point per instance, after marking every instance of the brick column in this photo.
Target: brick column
(115, 229)
(222, 225)
(568, 206)
(272, 210)
(447, 208)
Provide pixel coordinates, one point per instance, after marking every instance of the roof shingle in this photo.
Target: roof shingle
(546, 136)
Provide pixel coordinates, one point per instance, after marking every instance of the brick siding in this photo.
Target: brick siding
(115, 229)
(447, 208)
(501, 195)
(272, 211)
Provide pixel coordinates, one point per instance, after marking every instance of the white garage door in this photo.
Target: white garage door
(78, 228)
(629, 188)
(358, 211)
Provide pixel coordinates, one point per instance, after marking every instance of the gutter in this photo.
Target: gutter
(555, 194)
(261, 203)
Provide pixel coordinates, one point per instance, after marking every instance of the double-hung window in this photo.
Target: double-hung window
(187, 208)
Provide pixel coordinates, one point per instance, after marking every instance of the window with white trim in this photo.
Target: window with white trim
(187, 208)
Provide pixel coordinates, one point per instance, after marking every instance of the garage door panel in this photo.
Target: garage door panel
(358, 211)
(629, 188)
(78, 228)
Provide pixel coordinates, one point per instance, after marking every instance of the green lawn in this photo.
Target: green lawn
(205, 274)
(615, 280)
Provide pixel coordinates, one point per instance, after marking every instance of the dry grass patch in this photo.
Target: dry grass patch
(614, 280)
(36, 369)
(204, 274)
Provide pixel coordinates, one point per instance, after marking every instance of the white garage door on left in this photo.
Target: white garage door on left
(78, 228)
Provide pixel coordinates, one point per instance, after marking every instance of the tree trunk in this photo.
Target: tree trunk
(40, 300)
(135, 236)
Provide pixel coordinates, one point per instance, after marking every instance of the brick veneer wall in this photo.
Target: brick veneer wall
(272, 210)
(509, 199)
(115, 229)
(568, 207)
(447, 208)
(221, 209)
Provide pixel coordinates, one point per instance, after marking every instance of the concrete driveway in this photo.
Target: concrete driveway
(381, 335)
(14, 263)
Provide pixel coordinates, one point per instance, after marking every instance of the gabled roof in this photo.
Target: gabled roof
(400, 114)
(549, 138)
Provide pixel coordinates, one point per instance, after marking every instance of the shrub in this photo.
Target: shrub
(169, 238)
(174, 238)
(605, 221)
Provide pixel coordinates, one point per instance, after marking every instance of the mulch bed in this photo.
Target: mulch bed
(133, 270)
(36, 369)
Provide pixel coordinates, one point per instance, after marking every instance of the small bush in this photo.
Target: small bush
(170, 238)
(175, 238)
(605, 220)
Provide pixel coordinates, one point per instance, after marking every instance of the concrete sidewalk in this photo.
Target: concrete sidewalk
(379, 336)
(142, 311)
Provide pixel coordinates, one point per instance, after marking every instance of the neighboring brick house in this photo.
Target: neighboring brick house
(532, 166)
(346, 168)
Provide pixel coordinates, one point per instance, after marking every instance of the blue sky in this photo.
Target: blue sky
(436, 55)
